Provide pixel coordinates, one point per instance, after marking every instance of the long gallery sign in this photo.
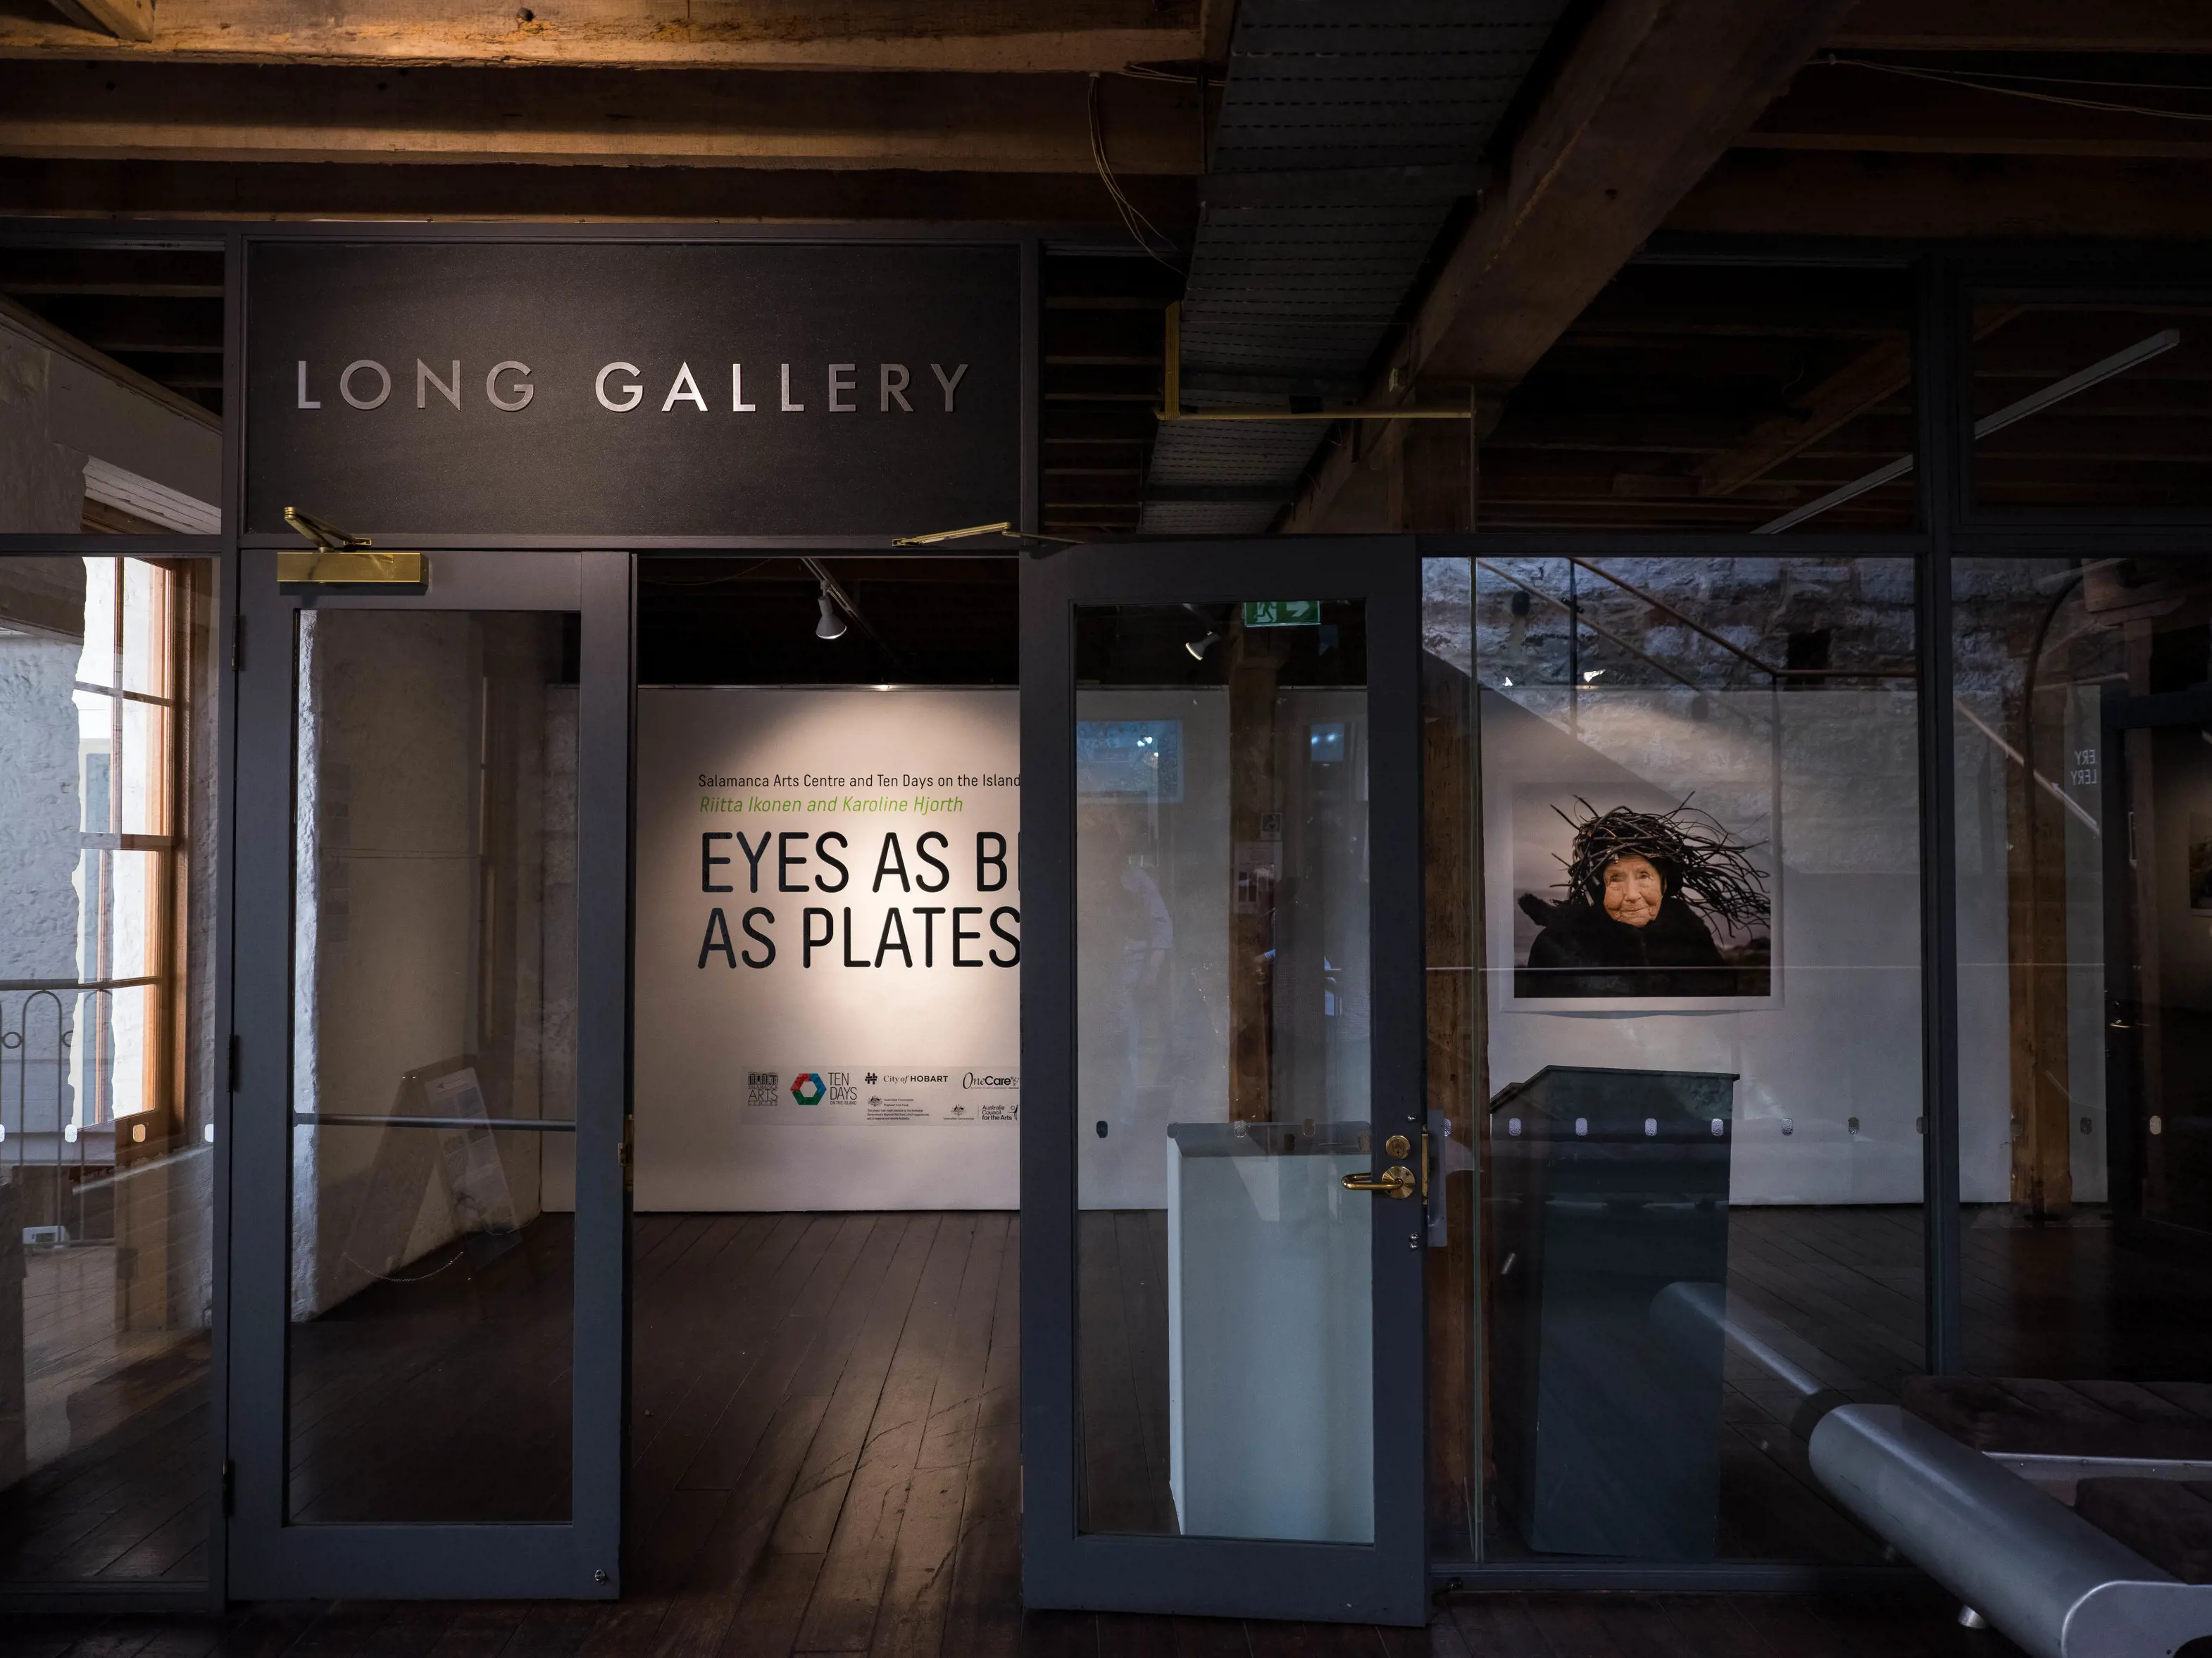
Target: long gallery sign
(634, 389)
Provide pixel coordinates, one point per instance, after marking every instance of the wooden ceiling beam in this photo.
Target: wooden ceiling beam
(1645, 100)
(1832, 193)
(207, 189)
(1021, 37)
(1850, 108)
(2147, 26)
(750, 118)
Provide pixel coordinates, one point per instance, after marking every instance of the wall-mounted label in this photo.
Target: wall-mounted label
(1282, 612)
(829, 946)
(644, 389)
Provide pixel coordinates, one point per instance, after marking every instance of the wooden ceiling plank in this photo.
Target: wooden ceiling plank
(1018, 37)
(1829, 193)
(1860, 384)
(2056, 26)
(1842, 106)
(202, 190)
(948, 123)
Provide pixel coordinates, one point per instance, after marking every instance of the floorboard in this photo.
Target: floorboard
(826, 1435)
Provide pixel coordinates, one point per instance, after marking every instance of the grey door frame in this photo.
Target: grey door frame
(2120, 712)
(269, 1558)
(1061, 1567)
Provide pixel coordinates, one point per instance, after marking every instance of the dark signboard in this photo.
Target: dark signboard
(634, 389)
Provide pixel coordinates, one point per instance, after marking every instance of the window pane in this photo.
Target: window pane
(2085, 943)
(1674, 1019)
(2092, 405)
(1223, 1062)
(434, 1000)
(1714, 397)
(115, 359)
(108, 1069)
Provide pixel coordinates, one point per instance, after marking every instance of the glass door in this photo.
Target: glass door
(428, 1327)
(1226, 1175)
(2158, 782)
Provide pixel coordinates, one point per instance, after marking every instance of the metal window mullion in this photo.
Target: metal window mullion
(1939, 399)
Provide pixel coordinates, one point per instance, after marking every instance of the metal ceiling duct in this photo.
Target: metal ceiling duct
(1348, 129)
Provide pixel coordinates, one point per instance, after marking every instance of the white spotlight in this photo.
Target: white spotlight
(832, 625)
(1198, 647)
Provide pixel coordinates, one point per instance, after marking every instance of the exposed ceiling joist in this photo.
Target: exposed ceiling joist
(1854, 106)
(214, 190)
(1830, 193)
(2149, 26)
(1025, 37)
(941, 123)
(127, 19)
(1648, 98)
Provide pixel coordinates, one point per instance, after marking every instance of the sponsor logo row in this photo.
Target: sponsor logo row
(892, 1096)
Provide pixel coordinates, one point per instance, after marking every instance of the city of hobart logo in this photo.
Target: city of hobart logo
(808, 1088)
(989, 1080)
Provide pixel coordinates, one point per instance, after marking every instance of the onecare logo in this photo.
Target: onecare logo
(989, 1080)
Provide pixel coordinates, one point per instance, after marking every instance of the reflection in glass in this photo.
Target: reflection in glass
(2083, 404)
(107, 1069)
(1223, 1062)
(1716, 398)
(1672, 820)
(2083, 1173)
(434, 1000)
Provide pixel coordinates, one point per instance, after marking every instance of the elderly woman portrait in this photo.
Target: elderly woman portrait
(1645, 892)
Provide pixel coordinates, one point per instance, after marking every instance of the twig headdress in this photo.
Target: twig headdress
(1698, 860)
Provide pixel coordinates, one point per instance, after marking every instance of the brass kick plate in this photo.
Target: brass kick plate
(320, 569)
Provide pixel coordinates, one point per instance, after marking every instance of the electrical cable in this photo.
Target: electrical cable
(1965, 78)
(1132, 217)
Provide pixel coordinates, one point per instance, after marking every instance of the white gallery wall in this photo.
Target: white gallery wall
(828, 926)
(1827, 1103)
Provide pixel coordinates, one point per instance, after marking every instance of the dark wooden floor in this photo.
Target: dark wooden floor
(826, 1434)
(442, 1393)
(1474, 1626)
(824, 1442)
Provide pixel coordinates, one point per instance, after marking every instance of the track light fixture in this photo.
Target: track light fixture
(832, 625)
(1205, 642)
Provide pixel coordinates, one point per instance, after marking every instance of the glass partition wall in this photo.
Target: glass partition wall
(1675, 1023)
(109, 1070)
(2083, 790)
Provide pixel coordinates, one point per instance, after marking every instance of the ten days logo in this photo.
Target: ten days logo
(813, 1087)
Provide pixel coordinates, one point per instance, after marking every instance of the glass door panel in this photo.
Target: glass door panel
(433, 813)
(1223, 1060)
(2160, 1018)
(1224, 1153)
(434, 973)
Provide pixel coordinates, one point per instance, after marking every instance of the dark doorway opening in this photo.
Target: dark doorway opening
(824, 1408)
(917, 620)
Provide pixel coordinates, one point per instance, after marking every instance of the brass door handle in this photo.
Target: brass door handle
(1397, 1181)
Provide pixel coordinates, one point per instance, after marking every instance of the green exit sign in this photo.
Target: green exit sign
(1282, 612)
